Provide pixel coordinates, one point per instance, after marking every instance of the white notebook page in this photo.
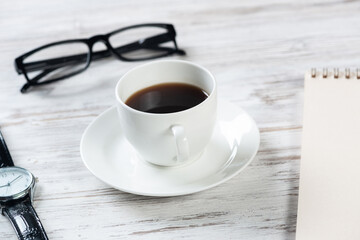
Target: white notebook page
(329, 194)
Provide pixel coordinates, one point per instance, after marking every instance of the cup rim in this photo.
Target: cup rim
(211, 94)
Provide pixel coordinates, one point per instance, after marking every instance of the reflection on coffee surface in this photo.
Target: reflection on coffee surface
(167, 98)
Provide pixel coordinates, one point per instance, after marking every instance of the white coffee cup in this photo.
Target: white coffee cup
(167, 139)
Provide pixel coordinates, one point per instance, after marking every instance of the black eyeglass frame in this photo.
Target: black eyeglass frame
(49, 65)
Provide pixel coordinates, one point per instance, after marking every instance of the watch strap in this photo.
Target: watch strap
(25, 221)
(5, 157)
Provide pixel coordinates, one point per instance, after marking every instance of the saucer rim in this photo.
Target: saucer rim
(176, 193)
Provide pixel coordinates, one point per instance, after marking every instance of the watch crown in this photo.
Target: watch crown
(36, 179)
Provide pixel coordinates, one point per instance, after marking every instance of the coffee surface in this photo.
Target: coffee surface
(166, 98)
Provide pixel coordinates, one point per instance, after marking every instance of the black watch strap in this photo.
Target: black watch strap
(25, 221)
(5, 157)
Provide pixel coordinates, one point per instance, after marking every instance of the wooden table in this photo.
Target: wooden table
(257, 50)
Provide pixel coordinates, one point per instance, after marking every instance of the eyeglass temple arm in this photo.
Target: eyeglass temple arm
(56, 63)
(168, 49)
(149, 43)
(36, 79)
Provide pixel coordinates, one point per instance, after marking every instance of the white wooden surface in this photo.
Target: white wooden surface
(258, 51)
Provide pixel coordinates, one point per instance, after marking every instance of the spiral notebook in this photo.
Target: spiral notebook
(329, 193)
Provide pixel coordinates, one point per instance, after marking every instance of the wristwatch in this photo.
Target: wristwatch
(17, 186)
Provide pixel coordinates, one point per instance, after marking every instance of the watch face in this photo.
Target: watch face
(14, 182)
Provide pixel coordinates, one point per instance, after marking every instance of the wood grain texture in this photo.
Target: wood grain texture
(258, 51)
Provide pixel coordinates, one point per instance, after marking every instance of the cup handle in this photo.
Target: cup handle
(182, 145)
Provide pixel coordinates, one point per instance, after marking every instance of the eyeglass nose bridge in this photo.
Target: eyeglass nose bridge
(98, 38)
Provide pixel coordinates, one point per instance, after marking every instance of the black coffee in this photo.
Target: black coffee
(166, 98)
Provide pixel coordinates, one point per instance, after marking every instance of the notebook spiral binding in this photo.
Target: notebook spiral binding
(325, 73)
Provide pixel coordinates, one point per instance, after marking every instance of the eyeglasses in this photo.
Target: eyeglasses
(64, 59)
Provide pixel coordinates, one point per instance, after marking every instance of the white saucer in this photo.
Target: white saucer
(109, 156)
